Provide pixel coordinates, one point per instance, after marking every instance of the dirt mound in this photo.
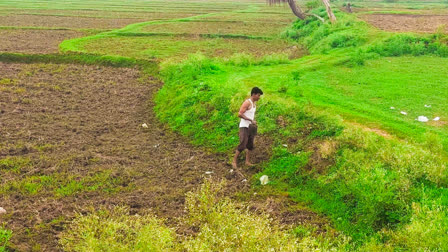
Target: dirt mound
(407, 23)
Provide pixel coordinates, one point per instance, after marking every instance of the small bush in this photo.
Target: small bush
(426, 231)
(241, 59)
(116, 230)
(226, 226)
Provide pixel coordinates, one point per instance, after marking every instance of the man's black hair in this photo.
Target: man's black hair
(256, 90)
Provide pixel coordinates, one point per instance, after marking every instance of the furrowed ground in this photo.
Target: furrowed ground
(333, 137)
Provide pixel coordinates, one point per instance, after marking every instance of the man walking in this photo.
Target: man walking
(248, 126)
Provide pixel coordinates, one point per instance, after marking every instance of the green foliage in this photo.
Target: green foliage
(5, 236)
(426, 231)
(116, 230)
(322, 37)
(226, 226)
(410, 44)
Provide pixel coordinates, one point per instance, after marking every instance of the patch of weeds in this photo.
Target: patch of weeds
(5, 236)
(8, 82)
(14, 164)
(44, 147)
(116, 230)
(63, 185)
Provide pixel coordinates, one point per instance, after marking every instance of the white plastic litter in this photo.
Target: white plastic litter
(403, 113)
(231, 170)
(422, 119)
(285, 145)
(427, 106)
(436, 119)
(392, 107)
(264, 180)
(244, 180)
(145, 125)
(208, 172)
(2, 210)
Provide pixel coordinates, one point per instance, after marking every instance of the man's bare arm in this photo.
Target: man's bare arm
(244, 107)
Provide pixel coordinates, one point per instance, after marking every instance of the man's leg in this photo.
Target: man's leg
(248, 163)
(234, 163)
(244, 135)
(250, 147)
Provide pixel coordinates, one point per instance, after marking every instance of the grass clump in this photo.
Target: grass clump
(63, 184)
(116, 230)
(14, 164)
(226, 227)
(246, 60)
(5, 236)
(426, 231)
(411, 44)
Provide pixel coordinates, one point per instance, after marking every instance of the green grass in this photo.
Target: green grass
(5, 236)
(63, 185)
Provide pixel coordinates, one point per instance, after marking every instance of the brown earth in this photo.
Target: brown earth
(34, 41)
(147, 15)
(75, 122)
(407, 23)
(67, 22)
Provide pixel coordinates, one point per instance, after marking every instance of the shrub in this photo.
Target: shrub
(116, 230)
(425, 232)
(225, 226)
(410, 44)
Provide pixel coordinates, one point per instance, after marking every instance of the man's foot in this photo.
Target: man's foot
(234, 166)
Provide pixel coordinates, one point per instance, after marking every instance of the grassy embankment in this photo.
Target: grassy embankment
(384, 192)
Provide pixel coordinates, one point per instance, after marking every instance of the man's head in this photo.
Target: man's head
(256, 93)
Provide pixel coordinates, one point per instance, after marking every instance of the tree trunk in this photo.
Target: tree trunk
(296, 9)
(330, 13)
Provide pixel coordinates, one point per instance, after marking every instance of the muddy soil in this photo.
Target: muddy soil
(407, 23)
(34, 41)
(67, 22)
(80, 120)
